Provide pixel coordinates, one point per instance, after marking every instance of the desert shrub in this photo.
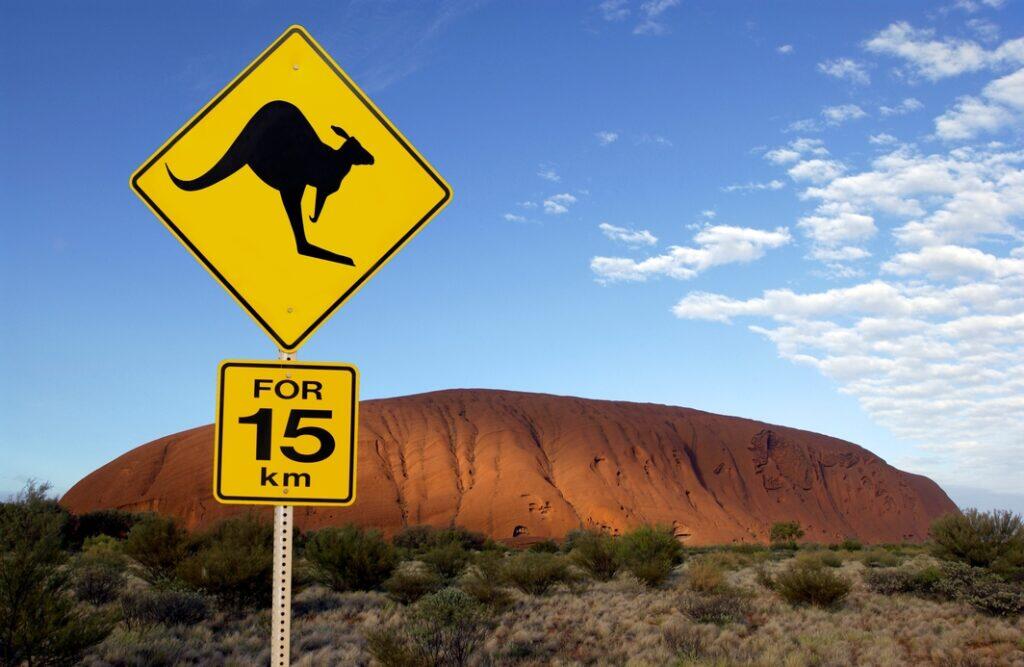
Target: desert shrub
(97, 583)
(449, 559)
(980, 539)
(157, 544)
(442, 629)
(804, 582)
(417, 539)
(145, 607)
(704, 576)
(981, 589)
(447, 626)
(110, 523)
(536, 573)
(595, 552)
(921, 581)
(763, 575)
(546, 546)
(822, 558)
(412, 580)
(483, 579)
(850, 544)
(785, 533)
(721, 607)
(879, 558)
(232, 562)
(350, 558)
(649, 553)
(40, 623)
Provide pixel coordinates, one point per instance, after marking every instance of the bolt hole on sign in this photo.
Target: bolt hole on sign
(291, 187)
(285, 433)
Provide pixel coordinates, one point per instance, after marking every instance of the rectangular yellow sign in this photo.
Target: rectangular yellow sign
(286, 433)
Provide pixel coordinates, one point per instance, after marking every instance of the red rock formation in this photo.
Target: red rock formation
(528, 466)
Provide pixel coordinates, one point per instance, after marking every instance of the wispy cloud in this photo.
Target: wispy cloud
(714, 246)
(753, 186)
(606, 137)
(785, 49)
(846, 68)
(934, 59)
(548, 173)
(838, 115)
(559, 204)
(651, 12)
(908, 105)
(631, 237)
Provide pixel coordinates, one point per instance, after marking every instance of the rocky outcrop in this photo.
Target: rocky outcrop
(520, 466)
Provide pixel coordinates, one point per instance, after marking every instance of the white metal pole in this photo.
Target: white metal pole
(281, 605)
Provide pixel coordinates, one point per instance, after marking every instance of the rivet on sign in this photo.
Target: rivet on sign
(295, 67)
(290, 309)
(285, 490)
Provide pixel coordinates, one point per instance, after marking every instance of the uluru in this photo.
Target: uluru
(522, 466)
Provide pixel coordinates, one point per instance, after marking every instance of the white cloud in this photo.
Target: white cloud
(651, 11)
(845, 68)
(606, 137)
(804, 125)
(816, 170)
(972, 6)
(1002, 106)
(906, 106)
(838, 115)
(986, 30)
(631, 237)
(614, 10)
(527, 204)
(715, 245)
(655, 139)
(709, 213)
(548, 174)
(752, 186)
(559, 204)
(882, 139)
(954, 262)
(936, 59)
(837, 224)
(795, 149)
(785, 49)
(512, 217)
(941, 366)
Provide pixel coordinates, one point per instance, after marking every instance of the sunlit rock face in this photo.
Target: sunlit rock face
(521, 467)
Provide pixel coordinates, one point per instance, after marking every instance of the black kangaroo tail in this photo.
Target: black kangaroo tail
(231, 162)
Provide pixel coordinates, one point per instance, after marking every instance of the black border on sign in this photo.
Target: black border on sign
(283, 344)
(285, 499)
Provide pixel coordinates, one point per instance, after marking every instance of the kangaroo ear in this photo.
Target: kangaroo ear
(340, 132)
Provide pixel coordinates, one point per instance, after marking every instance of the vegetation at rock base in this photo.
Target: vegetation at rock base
(121, 589)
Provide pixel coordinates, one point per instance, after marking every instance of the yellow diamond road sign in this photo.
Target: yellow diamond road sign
(291, 188)
(286, 433)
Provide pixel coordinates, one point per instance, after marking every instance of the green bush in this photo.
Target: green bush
(97, 583)
(232, 562)
(411, 581)
(151, 646)
(805, 582)
(850, 544)
(483, 579)
(890, 581)
(447, 627)
(536, 573)
(111, 523)
(152, 606)
(879, 558)
(449, 559)
(980, 539)
(595, 552)
(785, 533)
(418, 539)
(350, 558)
(157, 544)
(545, 546)
(650, 553)
(40, 623)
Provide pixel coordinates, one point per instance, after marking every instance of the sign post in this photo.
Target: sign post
(292, 189)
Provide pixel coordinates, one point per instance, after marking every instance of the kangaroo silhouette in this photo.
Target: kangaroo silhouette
(281, 147)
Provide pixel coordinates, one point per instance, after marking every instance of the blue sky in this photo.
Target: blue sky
(808, 214)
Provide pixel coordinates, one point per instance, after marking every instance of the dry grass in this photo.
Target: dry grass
(620, 622)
